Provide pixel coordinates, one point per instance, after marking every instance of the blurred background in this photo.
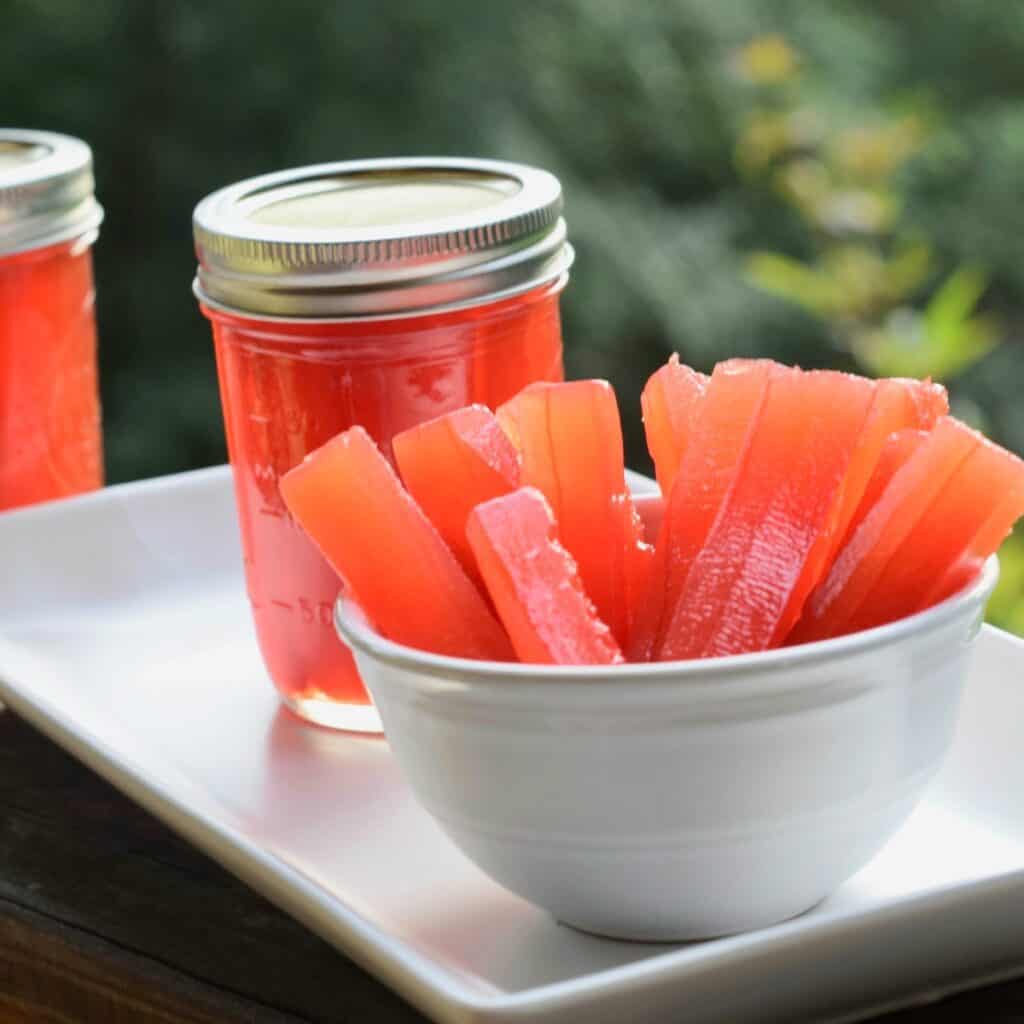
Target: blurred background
(831, 184)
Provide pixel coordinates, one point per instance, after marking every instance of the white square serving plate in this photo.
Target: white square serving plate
(125, 636)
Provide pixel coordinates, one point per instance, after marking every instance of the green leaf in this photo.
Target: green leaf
(790, 279)
(895, 350)
(951, 353)
(903, 347)
(908, 269)
(955, 301)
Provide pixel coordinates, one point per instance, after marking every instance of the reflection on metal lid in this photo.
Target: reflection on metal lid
(379, 237)
(46, 190)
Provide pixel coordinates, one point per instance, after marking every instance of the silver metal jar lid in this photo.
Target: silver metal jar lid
(379, 238)
(46, 190)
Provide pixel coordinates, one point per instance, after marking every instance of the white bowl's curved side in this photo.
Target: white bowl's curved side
(636, 811)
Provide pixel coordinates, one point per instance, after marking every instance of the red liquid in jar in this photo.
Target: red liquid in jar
(287, 387)
(50, 439)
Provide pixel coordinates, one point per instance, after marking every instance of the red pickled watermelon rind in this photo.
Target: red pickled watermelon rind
(839, 472)
(349, 500)
(452, 463)
(570, 439)
(898, 448)
(882, 533)
(760, 551)
(966, 522)
(534, 584)
(721, 433)
(897, 404)
(670, 404)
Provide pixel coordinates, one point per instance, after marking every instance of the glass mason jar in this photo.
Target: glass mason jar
(382, 293)
(50, 439)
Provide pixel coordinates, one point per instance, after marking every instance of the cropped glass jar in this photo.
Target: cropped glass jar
(379, 293)
(50, 437)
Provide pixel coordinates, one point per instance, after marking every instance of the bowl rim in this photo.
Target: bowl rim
(354, 629)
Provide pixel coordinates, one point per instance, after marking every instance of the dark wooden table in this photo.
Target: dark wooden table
(107, 916)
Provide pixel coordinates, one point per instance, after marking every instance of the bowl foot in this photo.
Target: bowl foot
(689, 929)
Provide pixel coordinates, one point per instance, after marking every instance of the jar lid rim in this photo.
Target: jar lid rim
(365, 237)
(555, 282)
(46, 190)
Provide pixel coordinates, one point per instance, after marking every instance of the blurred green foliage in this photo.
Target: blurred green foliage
(843, 192)
(840, 175)
(870, 274)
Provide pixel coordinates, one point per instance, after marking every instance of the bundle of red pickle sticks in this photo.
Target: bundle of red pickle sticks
(797, 506)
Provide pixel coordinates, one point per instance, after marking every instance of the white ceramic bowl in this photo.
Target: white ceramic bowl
(678, 800)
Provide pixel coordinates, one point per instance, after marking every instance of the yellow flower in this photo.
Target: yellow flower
(805, 182)
(766, 60)
(766, 136)
(873, 152)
